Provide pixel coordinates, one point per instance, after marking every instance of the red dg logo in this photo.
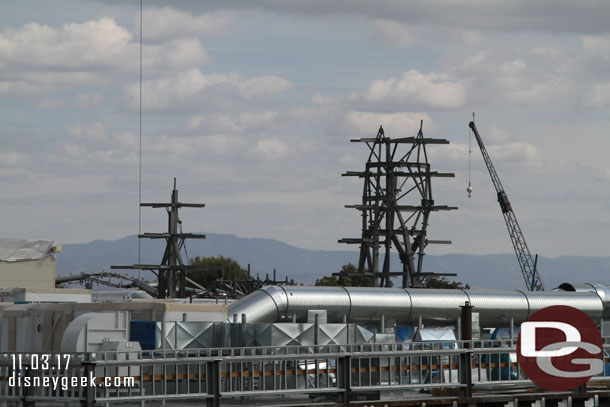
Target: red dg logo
(560, 348)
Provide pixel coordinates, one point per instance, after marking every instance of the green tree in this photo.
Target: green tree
(443, 283)
(216, 268)
(328, 281)
(347, 280)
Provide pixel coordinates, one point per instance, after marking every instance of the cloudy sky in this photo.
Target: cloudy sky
(252, 108)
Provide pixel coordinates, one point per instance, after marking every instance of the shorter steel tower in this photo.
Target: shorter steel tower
(171, 273)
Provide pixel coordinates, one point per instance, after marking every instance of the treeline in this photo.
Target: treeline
(217, 268)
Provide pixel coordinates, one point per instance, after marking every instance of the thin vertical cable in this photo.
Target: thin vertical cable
(140, 175)
(469, 153)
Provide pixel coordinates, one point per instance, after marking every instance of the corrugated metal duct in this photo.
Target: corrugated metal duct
(406, 306)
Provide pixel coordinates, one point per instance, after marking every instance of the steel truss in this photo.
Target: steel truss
(171, 273)
(396, 204)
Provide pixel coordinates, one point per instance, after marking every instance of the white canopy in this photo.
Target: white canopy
(12, 250)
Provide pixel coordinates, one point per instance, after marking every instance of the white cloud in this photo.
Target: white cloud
(349, 159)
(487, 64)
(70, 46)
(597, 45)
(319, 99)
(394, 124)
(52, 103)
(233, 124)
(71, 150)
(261, 86)
(497, 134)
(166, 22)
(598, 96)
(193, 146)
(394, 33)
(93, 146)
(11, 158)
(453, 155)
(87, 99)
(465, 35)
(564, 16)
(38, 57)
(270, 149)
(80, 100)
(547, 52)
(127, 140)
(433, 90)
(19, 88)
(49, 80)
(177, 53)
(506, 77)
(514, 152)
(520, 158)
(192, 86)
(93, 132)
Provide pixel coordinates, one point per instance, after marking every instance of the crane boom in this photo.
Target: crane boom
(528, 268)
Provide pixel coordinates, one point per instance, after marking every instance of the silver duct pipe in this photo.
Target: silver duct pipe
(407, 306)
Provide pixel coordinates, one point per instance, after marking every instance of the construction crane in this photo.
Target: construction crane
(527, 264)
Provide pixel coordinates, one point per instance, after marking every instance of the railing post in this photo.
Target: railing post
(89, 370)
(27, 391)
(344, 369)
(466, 357)
(316, 332)
(212, 379)
(242, 335)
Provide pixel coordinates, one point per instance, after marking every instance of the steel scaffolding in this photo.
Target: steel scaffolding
(396, 205)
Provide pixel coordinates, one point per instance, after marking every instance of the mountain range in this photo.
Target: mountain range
(493, 271)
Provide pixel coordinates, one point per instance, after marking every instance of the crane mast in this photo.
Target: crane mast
(526, 263)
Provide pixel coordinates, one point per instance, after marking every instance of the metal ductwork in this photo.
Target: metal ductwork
(407, 306)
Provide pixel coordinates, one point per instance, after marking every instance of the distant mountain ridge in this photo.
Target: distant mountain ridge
(499, 271)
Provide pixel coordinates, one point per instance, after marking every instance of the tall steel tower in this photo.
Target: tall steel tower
(396, 205)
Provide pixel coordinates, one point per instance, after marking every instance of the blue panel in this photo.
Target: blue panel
(404, 333)
(504, 333)
(144, 332)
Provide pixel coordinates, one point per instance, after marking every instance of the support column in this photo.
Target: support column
(466, 357)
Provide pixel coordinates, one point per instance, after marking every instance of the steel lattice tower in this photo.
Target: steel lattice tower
(396, 205)
(171, 273)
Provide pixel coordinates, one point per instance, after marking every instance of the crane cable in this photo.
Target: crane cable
(469, 188)
(140, 160)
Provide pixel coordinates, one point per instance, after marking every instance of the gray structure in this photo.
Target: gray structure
(396, 205)
(171, 273)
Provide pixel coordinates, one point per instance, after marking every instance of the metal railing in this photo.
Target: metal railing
(336, 372)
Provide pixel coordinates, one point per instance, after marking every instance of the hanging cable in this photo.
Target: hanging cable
(469, 188)
(140, 163)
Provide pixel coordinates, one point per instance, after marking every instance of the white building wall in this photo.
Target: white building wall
(28, 273)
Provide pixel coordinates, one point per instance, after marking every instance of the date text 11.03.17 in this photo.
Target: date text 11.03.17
(35, 361)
